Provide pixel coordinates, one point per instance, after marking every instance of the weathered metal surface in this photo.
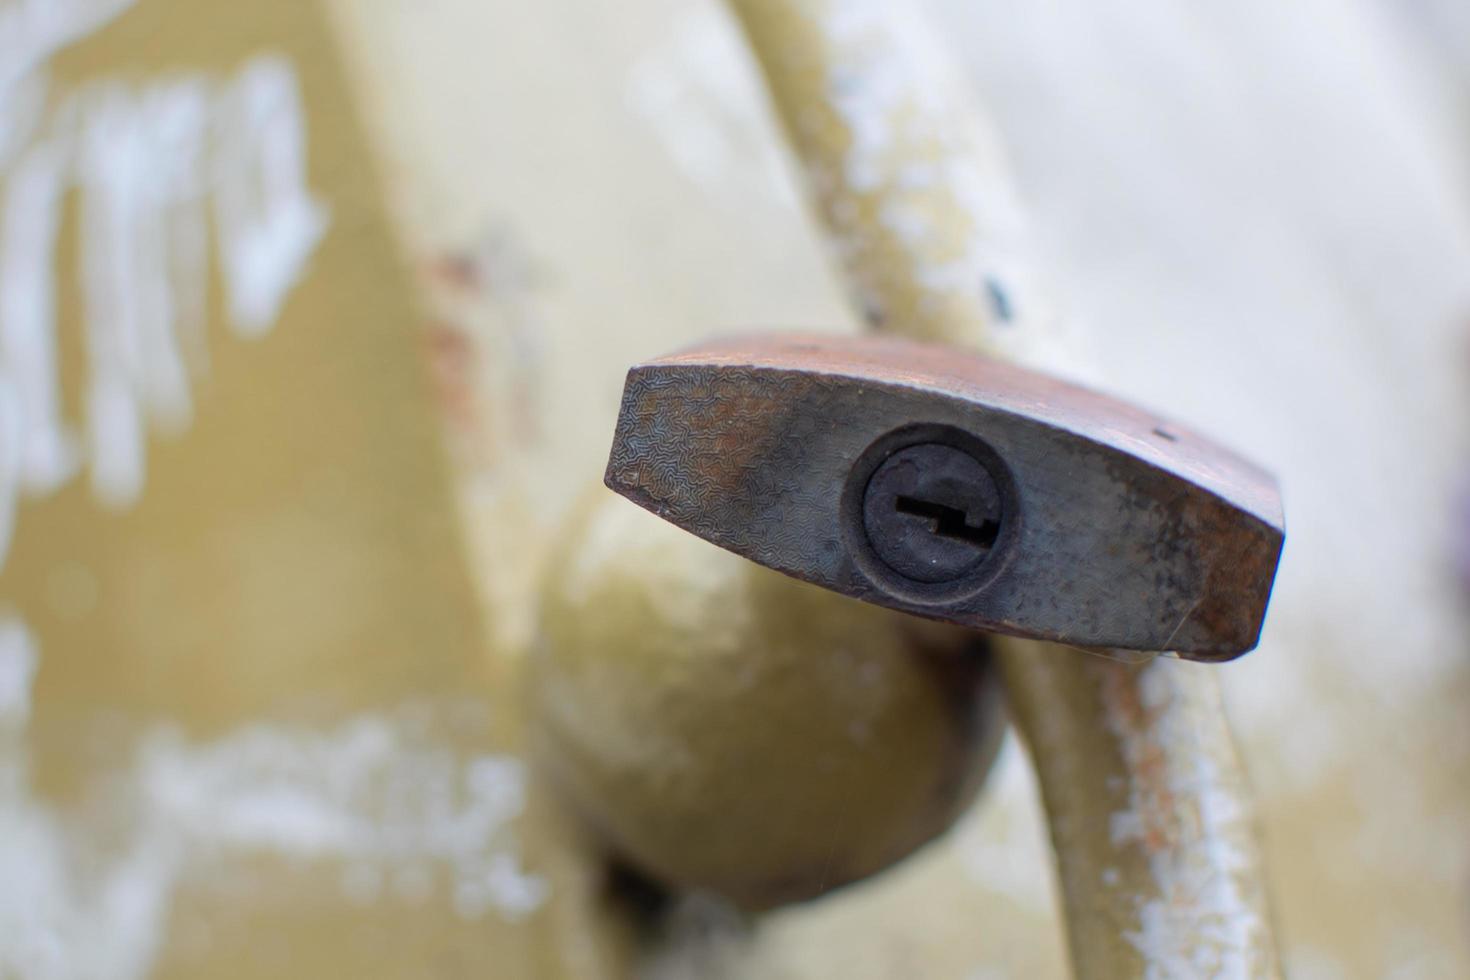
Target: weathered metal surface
(1111, 527)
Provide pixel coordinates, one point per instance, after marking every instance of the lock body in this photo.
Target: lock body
(955, 487)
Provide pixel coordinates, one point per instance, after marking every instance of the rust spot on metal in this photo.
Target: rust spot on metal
(452, 358)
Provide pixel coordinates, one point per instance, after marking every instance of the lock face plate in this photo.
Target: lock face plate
(955, 487)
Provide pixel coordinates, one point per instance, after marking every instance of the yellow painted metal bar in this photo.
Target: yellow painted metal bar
(1149, 811)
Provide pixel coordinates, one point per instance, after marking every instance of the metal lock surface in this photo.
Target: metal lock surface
(955, 487)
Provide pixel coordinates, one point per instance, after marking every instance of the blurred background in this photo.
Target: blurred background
(314, 315)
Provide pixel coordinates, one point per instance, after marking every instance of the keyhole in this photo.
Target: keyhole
(949, 522)
(932, 512)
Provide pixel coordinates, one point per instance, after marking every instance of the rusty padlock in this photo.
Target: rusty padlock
(955, 487)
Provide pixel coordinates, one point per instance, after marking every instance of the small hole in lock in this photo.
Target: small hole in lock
(949, 522)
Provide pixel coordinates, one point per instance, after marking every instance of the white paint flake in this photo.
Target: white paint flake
(376, 795)
(18, 664)
(29, 226)
(270, 222)
(146, 161)
(32, 31)
(1186, 818)
(370, 793)
(938, 179)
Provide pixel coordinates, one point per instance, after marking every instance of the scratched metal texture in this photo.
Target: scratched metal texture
(1119, 529)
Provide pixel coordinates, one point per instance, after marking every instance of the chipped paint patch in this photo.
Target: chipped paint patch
(31, 31)
(404, 813)
(917, 174)
(1186, 816)
(146, 161)
(18, 663)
